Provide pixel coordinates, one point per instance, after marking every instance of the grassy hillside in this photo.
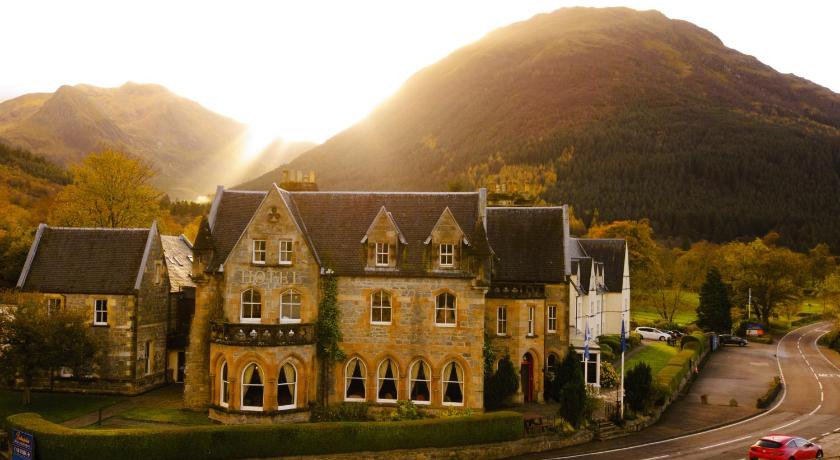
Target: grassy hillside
(627, 112)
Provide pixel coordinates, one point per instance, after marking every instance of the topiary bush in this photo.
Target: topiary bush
(501, 385)
(638, 384)
(214, 442)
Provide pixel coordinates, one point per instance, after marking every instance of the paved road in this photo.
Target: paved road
(809, 407)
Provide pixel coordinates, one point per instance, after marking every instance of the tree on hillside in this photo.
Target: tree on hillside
(821, 263)
(36, 342)
(713, 313)
(828, 292)
(109, 189)
(645, 267)
(774, 274)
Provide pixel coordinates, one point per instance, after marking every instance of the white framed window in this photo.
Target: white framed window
(253, 388)
(100, 312)
(593, 374)
(287, 387)
(420, 383)
(382, 255)
(251, 306)
(290, 302)
(501, 320)
(447, 255)
(224, 386)
(552, 318)
(380, 308)
(355, 380)
(386, 381)
(578, 315)
(286, 252)
(258, 254)
(530, 320)
(445, 312)
(53, 305)
(452, 381)
(148, 350)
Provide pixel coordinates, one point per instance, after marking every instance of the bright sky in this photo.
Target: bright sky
(305, 70)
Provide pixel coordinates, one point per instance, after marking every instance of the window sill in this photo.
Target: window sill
(501, 334)
(444, 325)
(250, 409)
(254, 262)
(452, 404)
(531, 336)
(421, 403)
(100, 325)
(289, 407)
(290, 321)
(380, 323)
(355, 400)
(551, 332)
(250, 320)
(284, 263)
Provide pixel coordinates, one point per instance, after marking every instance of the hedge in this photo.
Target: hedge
(677, 368)
(770, 396)
(249, 441)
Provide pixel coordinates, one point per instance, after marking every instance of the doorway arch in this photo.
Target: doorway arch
(526, 372)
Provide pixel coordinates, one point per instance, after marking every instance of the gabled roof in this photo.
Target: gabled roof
(610, 252)
(528, 242)
(383, 213)
(86, 260)
(336, 222)
(178, 253)
(233, 211)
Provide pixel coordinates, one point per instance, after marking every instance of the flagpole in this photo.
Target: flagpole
(586, 354)
(623, 346)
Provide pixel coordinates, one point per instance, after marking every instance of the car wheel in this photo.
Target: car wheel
(819, 454)
(741, 344)
(661, 338)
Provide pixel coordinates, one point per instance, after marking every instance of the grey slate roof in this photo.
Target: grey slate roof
(336, 222)
(585, 273)
(85, 260)
(178, 253)
(610, 252)
(528, 243)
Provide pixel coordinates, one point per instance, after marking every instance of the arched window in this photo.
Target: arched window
(287, 387)
(354, 380)
(420, 383)
(252, 388)
(224, 386)
(380, 308)
(453, 384)
(251, 306)
(445, 309)
(290, 307)
(552, 360)
(386, 381)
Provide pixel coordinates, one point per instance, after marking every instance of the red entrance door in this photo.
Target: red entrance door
(526, 371)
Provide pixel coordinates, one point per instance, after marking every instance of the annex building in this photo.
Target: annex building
(423, 282)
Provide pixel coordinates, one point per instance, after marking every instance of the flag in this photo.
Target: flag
(623, 337)
(586, 343)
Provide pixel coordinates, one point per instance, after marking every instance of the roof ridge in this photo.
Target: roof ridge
(510, 208)
(352, 192)
(255, 192)
(131, 229)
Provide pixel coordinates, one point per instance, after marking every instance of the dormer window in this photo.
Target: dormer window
(382, 255)
(285, 252)
(447, 255)
(258, 253)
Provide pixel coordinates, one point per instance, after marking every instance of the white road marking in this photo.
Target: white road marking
(726, 442)
(825, 434)
(785, 425)
(654, 458)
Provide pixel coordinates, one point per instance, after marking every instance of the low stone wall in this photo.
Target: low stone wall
(527, 445)
(236, 417)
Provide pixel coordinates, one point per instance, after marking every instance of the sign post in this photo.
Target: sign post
(23, 446)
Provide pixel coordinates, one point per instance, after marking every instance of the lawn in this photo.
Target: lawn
(175, 416)
(55, 407)
(655, 354)
(645, 314)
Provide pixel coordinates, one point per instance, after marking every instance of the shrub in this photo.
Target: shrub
(562, 426)
(406, 410)
(258, 441)
(638, 383)
(346, 412)
(613, 341)
(573, 400)
(634, 339)
(689, 339)
(592, 403)
(609, 376)
(607, 352)
(775, 387)
(501, 385)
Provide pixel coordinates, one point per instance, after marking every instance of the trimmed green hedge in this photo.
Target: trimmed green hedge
(249, 441)
(677, 368)
(768, 398)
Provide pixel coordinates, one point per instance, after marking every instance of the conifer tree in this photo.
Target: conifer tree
(713, 311)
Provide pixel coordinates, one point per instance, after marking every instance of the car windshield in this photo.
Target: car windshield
(768, 443)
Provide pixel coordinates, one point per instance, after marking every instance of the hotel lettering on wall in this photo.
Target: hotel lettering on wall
(270, 278)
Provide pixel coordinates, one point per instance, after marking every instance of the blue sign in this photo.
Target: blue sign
(23, 446)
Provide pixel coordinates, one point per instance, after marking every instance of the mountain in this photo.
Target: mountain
(192, 147)
(627, 113)
(276, 154)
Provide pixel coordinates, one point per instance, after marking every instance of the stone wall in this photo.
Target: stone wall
(152, 316)
(412, 333)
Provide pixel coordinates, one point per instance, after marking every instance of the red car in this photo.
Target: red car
(782, 447)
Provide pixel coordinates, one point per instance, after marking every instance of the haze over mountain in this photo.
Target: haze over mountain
(192, 148)
(637, 115)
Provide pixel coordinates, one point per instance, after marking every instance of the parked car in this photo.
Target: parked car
(728, 339)
(652, 333)
(675, 334)
(779, 446)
